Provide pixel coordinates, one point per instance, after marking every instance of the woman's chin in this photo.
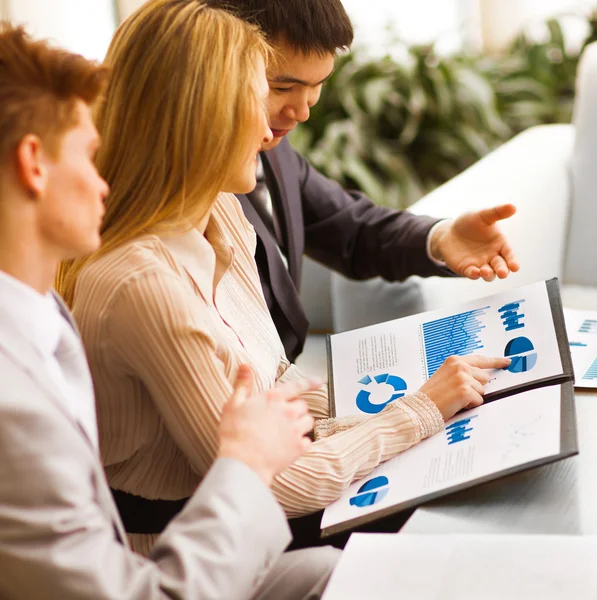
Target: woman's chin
(241, 187)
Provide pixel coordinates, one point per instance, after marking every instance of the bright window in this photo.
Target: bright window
(82, 26)
(423, 21)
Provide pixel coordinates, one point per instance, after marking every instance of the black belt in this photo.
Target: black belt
(141, 515)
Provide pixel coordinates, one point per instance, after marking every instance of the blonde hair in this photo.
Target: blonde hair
(175, 120)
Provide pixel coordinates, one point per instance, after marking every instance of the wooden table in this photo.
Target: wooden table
(560, 498)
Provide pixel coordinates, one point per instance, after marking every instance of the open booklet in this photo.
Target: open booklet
(373, 366)
(532, 424)
(582, 333)
(494, 440)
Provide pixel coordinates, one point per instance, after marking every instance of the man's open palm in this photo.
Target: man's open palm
(473, 245)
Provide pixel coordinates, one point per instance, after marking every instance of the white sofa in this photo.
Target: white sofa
(549, 172)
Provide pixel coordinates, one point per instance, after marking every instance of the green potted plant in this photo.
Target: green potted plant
(398, 126)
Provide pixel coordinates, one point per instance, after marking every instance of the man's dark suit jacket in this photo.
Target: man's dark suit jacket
(343, 230)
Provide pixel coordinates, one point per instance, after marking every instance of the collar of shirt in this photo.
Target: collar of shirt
(206, 258)
(39, 319)
(37, 316)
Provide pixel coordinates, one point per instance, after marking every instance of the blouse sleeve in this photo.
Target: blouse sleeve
(333, 463)
(158, 338)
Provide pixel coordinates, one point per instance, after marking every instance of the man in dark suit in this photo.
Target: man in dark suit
(295, 210)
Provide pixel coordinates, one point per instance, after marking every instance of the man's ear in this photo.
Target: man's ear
(31, 166)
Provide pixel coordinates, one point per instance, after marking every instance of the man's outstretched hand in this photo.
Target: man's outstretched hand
(473, 245)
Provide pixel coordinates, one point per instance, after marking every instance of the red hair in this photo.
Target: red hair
(39, 87)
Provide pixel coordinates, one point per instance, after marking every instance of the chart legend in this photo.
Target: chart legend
(511, 315)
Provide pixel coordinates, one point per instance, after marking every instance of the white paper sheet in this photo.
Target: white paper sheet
(375, 365)
(581, 326)
(461, 567)
(513, 431)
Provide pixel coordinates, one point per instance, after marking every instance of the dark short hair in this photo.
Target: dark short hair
(320, 26)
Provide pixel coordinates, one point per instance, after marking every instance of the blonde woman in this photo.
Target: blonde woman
(172, 304)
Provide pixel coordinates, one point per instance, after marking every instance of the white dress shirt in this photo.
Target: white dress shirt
(439, 263)
(39, 319)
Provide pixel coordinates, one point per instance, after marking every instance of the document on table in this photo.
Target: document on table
(465, 567)
(373, 366)
(496, 439)
(582, 335)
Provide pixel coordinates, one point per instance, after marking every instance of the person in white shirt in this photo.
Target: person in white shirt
(60, 533)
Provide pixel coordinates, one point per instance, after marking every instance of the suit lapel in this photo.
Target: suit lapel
(282, 286)
(28, 357)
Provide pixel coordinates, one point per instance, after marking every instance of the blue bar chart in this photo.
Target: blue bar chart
(459, 431)
(456, 334)
(591, 373)
(588, 326)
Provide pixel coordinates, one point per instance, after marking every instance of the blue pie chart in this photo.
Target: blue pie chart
(371, 492)
(379, 392)
(523, 355)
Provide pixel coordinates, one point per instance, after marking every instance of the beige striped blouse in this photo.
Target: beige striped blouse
(166, 321)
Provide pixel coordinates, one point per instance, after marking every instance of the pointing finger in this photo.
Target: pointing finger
(486, 362)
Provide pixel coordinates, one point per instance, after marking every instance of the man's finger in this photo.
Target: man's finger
(498, 264)
(489, 216)
(487, 273)
(472, 272)
(243, 385)
(510, 258)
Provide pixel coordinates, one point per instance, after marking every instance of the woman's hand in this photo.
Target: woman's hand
(459, 382)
